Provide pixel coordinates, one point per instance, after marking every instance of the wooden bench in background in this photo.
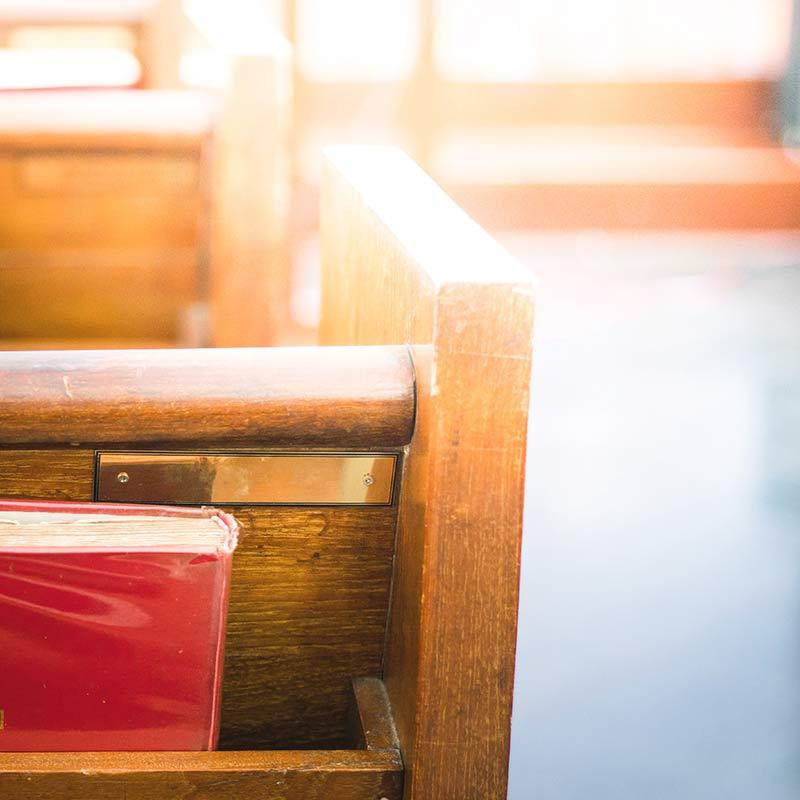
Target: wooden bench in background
(370, 647)
(128, 213)
(688, 156)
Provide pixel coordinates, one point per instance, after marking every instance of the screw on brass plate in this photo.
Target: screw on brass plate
(368, 479)
(123, 477)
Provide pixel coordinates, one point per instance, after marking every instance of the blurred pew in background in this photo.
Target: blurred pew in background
(129, 212)
(412, 586)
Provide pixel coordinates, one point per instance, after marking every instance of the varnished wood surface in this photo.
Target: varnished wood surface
(401, 264)
(370, 772)
(47, 474)
(353, 398)
(308, 608)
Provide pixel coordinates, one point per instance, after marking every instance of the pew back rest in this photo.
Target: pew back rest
(312, 574)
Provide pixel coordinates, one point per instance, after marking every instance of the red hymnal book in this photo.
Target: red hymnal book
(112, 626)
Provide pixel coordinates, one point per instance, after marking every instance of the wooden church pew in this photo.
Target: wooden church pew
(126, 213)
(370, 647)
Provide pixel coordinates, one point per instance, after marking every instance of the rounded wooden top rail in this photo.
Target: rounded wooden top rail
(344, 397)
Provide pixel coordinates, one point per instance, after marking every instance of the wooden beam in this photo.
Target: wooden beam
(402, 264)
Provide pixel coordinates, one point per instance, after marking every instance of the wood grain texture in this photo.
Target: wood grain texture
(250, 259)
(401, 264)
(47, 474)
(352, 398)
(308, 609)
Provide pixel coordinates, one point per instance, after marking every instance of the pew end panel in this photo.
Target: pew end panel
(402, 264)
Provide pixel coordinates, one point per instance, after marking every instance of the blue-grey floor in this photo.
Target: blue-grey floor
(659, 644)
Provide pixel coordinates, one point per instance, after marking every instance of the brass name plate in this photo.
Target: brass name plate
(245, 478)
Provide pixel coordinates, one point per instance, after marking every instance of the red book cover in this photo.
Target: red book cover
(112, 626)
